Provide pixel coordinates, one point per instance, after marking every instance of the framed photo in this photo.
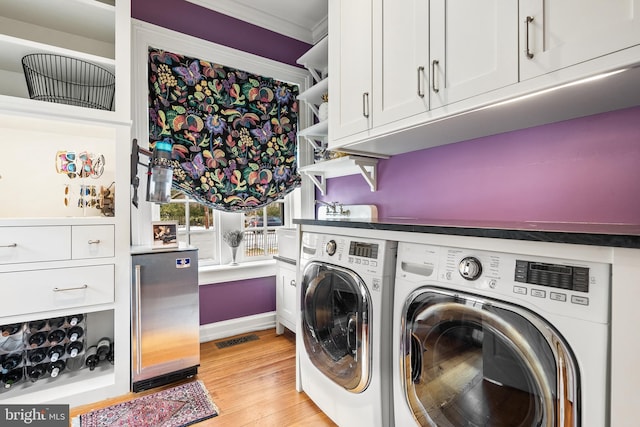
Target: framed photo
(165, 234)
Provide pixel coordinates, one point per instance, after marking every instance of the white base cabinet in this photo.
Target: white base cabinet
(286, 306)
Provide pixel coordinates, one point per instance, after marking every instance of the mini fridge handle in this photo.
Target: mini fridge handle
(138, 320)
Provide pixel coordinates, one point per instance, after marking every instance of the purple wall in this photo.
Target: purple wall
(585, 169)
(196, 21)
(231, 300)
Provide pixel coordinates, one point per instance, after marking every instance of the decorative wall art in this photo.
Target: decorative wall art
(233, 133)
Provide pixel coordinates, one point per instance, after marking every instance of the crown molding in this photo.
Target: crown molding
(308, 32)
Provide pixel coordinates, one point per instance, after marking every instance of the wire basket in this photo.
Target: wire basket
(65, 80)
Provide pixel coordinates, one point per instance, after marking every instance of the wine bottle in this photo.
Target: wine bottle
(56, 322)
(56, 336)
(74, 348)
(75, 319)
(35, 372)
(12, 377)
(75, 332)
(55, 352)
(10, 362)
(91, 357)
(37, 355)
(37, 339)
(111, 355)
(11, 329)
(104, 346)
(36, 325)
(55, 368)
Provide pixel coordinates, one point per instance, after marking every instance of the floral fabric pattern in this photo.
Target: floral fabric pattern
(233, 134)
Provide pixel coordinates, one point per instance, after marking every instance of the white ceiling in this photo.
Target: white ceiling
(304, 20)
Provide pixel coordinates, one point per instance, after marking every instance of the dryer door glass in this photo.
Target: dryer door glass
(471, 361)
(335, 324)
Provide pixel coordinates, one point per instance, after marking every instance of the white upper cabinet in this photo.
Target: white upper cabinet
(400, 59)
(430, 54)
(411, 74)
(560, 33)
(350, 61)
(473, 45)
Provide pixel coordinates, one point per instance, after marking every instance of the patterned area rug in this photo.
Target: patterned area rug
(179, 406)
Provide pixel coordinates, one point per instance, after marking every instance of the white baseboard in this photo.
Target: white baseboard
(242, 325)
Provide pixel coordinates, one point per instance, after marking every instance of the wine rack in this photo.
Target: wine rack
(41, 350)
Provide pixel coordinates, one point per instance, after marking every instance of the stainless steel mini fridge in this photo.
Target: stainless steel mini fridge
(165, 322)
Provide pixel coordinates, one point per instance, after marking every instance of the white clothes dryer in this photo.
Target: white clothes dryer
(498, 339)
(345, 335)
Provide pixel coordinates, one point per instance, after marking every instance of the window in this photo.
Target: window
(260, 230)
(198, 225)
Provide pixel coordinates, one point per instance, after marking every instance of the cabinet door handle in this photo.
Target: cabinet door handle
(293, 283)
(365, 104)
(527, 51)
(10, 245)
(434, 83)
(94, 242)
(420, 80)
(77, 288)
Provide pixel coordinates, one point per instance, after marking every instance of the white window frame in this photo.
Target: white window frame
(145, 35)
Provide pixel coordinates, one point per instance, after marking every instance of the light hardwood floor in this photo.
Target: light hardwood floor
(252, 383)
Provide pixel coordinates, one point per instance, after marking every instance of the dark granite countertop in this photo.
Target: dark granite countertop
(613, 235)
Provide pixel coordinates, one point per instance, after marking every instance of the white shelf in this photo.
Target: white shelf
(313, 95)
(316, 59)
(316, 135)
(342, 166)
(320, 129)
(82, 29)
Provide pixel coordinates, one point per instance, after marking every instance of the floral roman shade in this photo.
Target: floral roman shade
(233, 133)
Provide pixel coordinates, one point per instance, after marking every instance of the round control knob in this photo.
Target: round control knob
(470, 268)
(331, 247)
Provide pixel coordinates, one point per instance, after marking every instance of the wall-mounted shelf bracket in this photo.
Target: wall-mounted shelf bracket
(318, 173)
(319, 181)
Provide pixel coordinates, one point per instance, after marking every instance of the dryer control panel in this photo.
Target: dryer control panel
(552, 275)
(570, 287)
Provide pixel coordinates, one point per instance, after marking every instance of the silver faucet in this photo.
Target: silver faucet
(334, 208)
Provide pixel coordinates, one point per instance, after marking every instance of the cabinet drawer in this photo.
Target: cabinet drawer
(42, 290)
(92, 241)
(34, 244)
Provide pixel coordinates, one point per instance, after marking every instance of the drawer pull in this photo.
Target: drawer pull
(10, 245)
(94, 242)
(70, 289)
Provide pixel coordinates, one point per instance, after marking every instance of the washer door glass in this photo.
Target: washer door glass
(335, 324)
(471, 361)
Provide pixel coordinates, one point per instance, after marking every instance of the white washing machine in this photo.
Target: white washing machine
(344, 343)
(495, 339)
